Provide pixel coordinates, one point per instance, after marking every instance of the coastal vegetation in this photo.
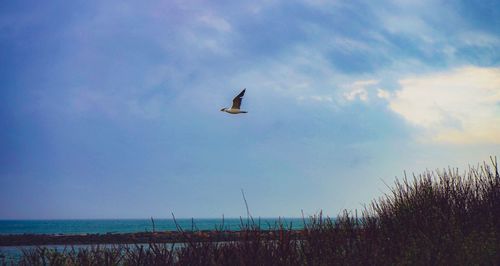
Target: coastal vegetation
(435, 218)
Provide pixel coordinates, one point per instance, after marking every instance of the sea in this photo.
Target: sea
(103, 226)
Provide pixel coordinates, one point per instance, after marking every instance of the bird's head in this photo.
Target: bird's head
(223, 109)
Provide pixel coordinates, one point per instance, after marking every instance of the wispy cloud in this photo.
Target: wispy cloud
(317, 98)
(215, 22)
(357, 93)
(358, 90)
(383, 94)
(479, 39)
(459, 106)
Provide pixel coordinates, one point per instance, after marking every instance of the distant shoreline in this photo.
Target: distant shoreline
(130, 238)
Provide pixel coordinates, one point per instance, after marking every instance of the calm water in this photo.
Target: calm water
(127, 225)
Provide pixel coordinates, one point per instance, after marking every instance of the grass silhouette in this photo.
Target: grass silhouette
(436, 218)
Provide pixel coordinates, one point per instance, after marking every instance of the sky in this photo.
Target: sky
(111, 109)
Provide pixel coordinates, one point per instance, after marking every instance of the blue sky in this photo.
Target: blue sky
(112, 109)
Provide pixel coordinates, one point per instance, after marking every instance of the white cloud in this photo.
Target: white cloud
(364, 83)
(317, 98)
(357, 90)
(478, 39)
(357, 93)
(460, 106)
(323, 98)
(383, 94)
(215, 22)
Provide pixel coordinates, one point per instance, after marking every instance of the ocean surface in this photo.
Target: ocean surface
(122, 226)
(132, 225)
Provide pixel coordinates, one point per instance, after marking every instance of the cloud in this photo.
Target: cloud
(215, 22)
(357, 93)
(357, 90)
(478, 39)
(383, 94)
(301, 74)
(207, 32)
(364, 83)
(458, 106)
(317, 98)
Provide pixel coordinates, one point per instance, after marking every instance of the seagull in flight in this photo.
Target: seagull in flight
(235, 109)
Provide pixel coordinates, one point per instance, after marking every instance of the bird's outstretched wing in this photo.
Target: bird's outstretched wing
(237, 100)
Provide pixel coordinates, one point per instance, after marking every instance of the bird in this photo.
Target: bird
(235, 109)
